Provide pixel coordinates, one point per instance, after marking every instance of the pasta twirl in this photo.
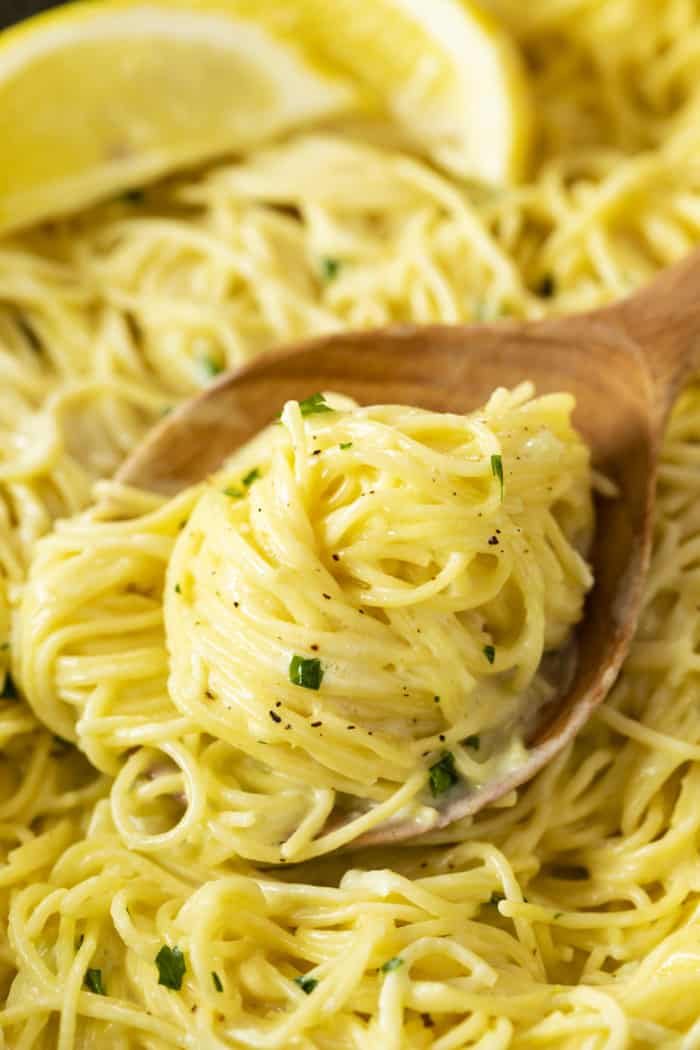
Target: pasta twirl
(566, 918)
(421, 563)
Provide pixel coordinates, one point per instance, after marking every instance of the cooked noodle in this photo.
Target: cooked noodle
(566, 917)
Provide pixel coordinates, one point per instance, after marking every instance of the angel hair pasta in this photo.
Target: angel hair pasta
(131, 916)
(342, 625)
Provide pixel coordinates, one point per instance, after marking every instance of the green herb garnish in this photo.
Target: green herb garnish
(330, 268)
(307, 984)
(443, 774)
(171, 967)
(497, 470)
(9, 689)
(473, 741)
(217, 981)
(490, 653)
(178, 589)
(307, 673)
(233, 493)
(345, 445)
(311, 406)
(210, 366)
(251, 476)
(93, 982)
(391, 964)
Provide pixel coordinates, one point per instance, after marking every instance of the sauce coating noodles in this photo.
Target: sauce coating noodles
(566, 917)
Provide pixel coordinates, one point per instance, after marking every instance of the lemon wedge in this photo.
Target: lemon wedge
(98, 97)
(445, 69)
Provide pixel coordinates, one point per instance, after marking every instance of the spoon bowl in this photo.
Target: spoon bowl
(624, 364)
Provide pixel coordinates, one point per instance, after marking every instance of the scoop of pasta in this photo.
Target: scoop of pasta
(361, 600)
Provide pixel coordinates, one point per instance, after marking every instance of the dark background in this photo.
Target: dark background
(13, 10)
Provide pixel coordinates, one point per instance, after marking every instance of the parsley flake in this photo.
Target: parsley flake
(345, 445)
(311, 406)
(497, 470)
(210, 366)
(443, 774)
(251, 476)
(171, 967)
(178, 589)
(233, 493)
(391, 964)
(93, 982)
(307, 984)
(330, 268)
(217, 981)
(306, 673)
(490, 653)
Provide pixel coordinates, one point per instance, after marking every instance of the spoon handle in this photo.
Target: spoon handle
(663, 321)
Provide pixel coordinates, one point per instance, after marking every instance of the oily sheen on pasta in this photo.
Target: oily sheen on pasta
(564, 919)
(370, 594)
(338, 628)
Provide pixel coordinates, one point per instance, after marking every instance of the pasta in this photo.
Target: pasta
(429, 584)
(564, 917)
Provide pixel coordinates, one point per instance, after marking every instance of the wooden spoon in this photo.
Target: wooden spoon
(624, 363)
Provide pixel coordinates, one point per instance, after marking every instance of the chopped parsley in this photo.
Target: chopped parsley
(330, 268)
(9, 689)
(490, 653)
(251, 476)
(307, 984)
(93, 982)
(443, 774)
(306, 673)
(178, 589)
(171, 967)
(497, 470)
(391, 964)
(473, 741)
(311, 406)
(233, 493)
(345, 445)
(217, 981)
(210, 366)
